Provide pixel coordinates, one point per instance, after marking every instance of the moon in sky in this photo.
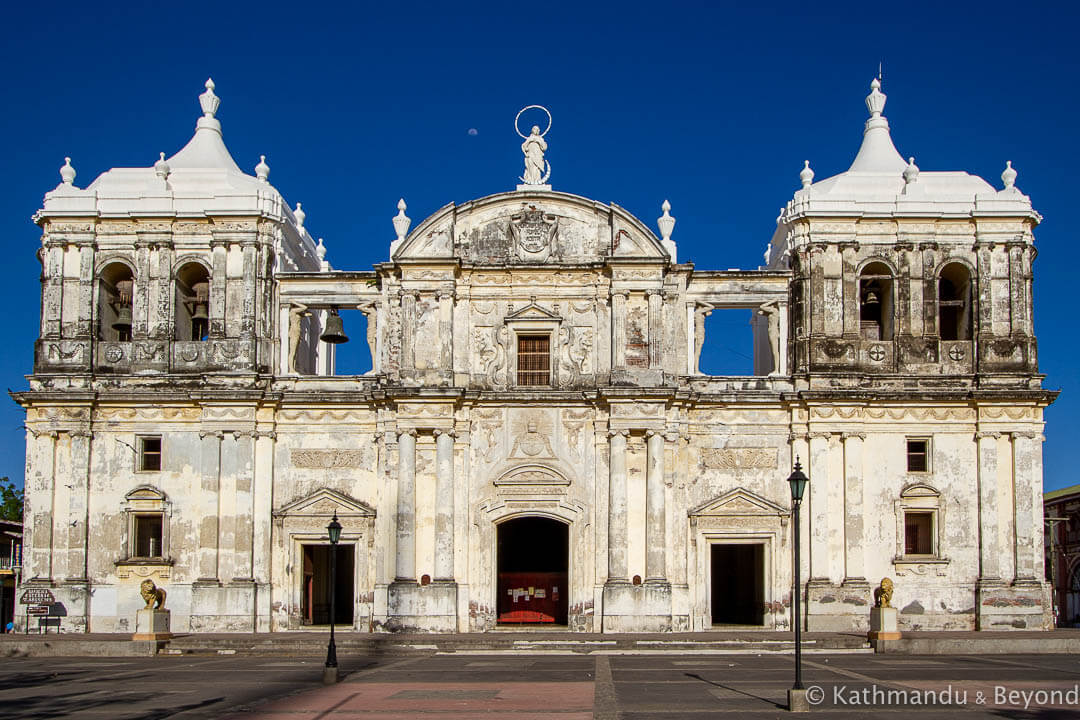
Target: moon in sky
(474, 131)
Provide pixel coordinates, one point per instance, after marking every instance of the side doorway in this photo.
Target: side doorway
(316, 587)
(738, 584)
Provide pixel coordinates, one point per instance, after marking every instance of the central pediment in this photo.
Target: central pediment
(531, 227)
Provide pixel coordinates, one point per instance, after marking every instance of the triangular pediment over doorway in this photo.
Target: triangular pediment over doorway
(324, 503)
(739, 501)
(532, 311)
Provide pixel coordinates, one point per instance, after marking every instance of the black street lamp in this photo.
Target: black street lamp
(797, 695)
(330, 671)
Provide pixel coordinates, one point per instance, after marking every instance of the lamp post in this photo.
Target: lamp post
(330, 671)
(797, 694)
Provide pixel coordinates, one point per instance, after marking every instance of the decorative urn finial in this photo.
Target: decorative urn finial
(67, 173)
(911, 172)
(807, 175)
(875, 101)
(208, 100)
(320, 250)
(665, 222)
(401, 221)
(161, 168)
(300, 216)
(1009, 175)
(262, 170)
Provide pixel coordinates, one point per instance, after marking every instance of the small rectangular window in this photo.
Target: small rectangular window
(918, 533)
(150, 453)
(918, 455)
(534, 360)
(147, 535)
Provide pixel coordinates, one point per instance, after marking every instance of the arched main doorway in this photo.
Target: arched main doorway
(533, 555)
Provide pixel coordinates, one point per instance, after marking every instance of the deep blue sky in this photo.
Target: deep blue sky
(711, 105)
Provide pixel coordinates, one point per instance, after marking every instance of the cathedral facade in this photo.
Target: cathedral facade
(535, 442)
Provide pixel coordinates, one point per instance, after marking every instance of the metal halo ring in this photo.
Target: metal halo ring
(532, 107)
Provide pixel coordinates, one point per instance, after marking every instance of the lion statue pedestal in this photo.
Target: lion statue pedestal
(883, 618)
(152, 622)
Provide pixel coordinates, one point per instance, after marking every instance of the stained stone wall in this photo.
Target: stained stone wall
(648, 462)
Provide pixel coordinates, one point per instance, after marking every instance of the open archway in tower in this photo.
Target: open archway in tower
(533, 557)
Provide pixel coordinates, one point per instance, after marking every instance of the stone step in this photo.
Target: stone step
(496, 643)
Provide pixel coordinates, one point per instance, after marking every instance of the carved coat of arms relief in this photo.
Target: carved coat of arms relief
(533, 232)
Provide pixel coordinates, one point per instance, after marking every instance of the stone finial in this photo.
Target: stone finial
(401, 221)
(262, 170)
(807, 175)
(300, 216)
(67, 173)
(208, 100)
(161, 168)
(1009, 175)
(665, 222)
(875, 101)
(911, 172)
(320, 250)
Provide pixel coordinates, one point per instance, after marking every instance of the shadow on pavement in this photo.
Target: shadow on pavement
(736, 690)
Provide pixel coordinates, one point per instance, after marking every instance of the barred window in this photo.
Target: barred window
(534, 360)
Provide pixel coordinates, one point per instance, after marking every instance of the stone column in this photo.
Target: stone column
(850, 285)
(244, 506)
(989, 550)
(206, 535)
(854, 521)
(691, 347)
(53, 292)
(78, 507)
(84, 327)
(444, 505)
(1027, 470)
(617, 521)
(655, 527)
(408, 329)
(218, 278)
(446, 333)
(405, 569)
(247, 315)
(38, 523)
(818, 515)
(618, 329)
(140, 297)
(656, 327)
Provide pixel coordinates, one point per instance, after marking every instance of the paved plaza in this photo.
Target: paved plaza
(529, 687)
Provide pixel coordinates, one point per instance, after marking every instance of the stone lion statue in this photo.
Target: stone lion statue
(153, 595)
(883, 594)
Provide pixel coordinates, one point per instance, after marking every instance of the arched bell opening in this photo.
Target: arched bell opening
(192, 302)
(954, 302)
(116, 286)
(532, 571)
(876, 302)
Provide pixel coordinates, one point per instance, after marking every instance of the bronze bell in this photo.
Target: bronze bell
(335, 329)
(871, 298)
(122, 323)
(199, 313)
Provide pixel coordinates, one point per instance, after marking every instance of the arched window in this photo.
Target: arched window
(116, 285)
(954, 302)
(876, 302)
(192, 302)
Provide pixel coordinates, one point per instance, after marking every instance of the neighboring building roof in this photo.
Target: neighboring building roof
(1061, 493)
